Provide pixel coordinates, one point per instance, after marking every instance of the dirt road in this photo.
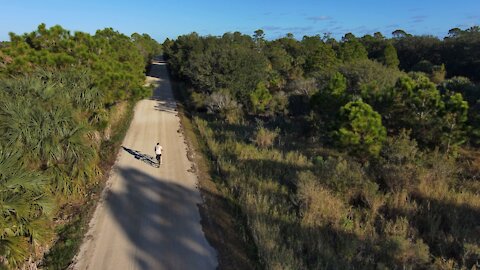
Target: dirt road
(148, 216)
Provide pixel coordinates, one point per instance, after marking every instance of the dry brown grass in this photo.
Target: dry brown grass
(265, 138)
(319, 206)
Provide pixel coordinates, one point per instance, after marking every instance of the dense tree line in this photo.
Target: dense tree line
(58, 95)
(361, 151)
(261, 75)
(116, 61)
(458, 51)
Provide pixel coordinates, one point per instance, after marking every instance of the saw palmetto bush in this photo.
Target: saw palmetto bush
(25, 205)
(53, 134)
(45, 123)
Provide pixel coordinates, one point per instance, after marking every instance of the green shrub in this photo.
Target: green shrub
(398, 168)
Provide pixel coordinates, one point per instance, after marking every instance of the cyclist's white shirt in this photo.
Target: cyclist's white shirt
(158, 149)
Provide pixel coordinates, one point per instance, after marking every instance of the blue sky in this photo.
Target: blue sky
(171, 18)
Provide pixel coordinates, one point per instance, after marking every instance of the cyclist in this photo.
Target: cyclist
(158, 153)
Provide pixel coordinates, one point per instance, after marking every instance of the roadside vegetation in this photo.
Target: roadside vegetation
(221, 217)
(354, 153)
(65, 98)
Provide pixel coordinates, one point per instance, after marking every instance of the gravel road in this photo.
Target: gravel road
(148, 217)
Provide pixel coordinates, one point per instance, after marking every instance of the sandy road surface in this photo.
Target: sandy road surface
(148, 216)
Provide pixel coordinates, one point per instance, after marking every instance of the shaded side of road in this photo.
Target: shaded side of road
(162, 242)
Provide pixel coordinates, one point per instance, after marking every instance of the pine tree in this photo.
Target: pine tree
(390, 58)
(361, 130)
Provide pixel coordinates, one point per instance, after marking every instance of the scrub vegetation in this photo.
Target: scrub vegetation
(359, 153)
(64, 99)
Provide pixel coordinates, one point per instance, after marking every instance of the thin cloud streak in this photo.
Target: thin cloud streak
(316, 19)
(296, 29)
(392, 26)
(418, 18)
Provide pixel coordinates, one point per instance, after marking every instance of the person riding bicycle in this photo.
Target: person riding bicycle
(158, 153)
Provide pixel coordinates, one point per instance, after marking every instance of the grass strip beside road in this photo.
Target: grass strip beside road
(71, 234)
(222, 220)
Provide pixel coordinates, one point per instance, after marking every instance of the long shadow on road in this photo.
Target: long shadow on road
(159, 220)
(142, 157)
